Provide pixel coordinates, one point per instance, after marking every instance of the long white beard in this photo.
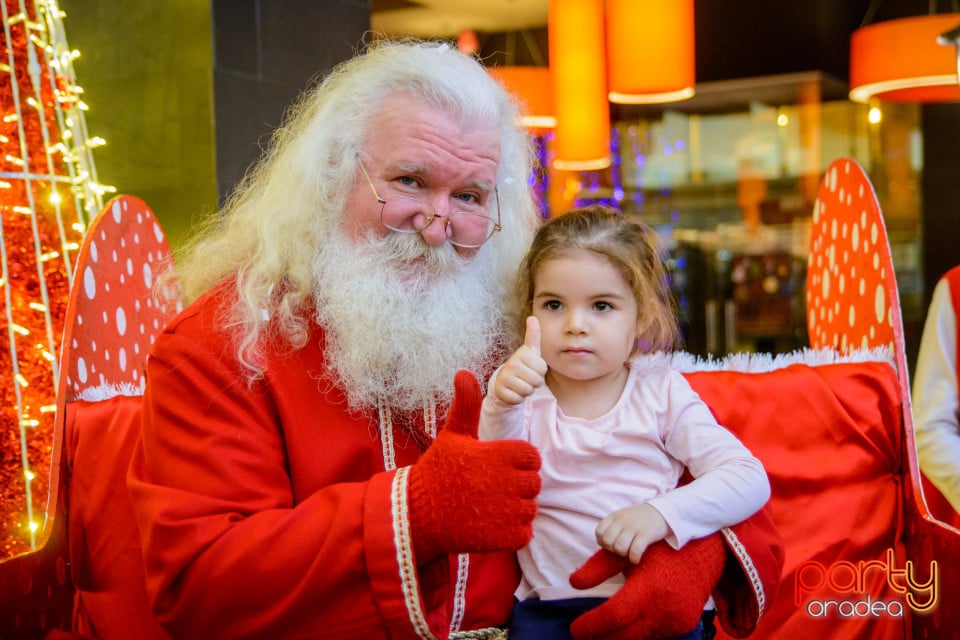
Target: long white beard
(397, 330)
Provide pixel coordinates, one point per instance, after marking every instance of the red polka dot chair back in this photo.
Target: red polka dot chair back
(113, 316)
(852, 300)
(111, 321)
(852, 296)
(853, 303)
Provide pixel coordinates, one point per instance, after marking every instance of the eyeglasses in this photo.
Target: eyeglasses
(469, 226)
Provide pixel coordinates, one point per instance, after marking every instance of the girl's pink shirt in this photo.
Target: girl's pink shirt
(634, 453)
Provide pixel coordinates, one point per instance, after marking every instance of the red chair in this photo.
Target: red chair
(845, 199)
(834, 429)
(112, 319)
(87, 579)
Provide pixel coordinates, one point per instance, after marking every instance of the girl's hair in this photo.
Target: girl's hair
(631, 247)
(268, 232)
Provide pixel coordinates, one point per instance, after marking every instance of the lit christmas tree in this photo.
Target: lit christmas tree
(48, 193)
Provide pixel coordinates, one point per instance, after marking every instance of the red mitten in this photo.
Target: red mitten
(663, 596)
(466, 495)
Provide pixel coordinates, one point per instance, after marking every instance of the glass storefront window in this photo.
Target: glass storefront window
(730, 184)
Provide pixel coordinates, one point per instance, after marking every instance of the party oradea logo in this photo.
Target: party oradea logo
(866, 589)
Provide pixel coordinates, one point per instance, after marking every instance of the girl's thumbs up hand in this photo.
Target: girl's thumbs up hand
(524, 371)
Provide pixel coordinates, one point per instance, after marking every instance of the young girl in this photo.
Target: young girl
(615, 426)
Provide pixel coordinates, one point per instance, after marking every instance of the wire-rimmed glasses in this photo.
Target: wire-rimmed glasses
(468, 229)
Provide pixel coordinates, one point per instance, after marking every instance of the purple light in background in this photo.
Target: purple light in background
(539, 179)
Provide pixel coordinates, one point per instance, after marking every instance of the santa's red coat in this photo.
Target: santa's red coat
(266, 510)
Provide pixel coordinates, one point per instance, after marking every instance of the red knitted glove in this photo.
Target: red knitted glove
(663, 596)
(466, 495)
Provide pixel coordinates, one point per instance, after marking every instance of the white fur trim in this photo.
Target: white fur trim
(108, 391)
(762, 362)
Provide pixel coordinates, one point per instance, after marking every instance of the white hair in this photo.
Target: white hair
(271, 230)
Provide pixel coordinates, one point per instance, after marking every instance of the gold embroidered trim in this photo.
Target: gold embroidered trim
(408, 570)
(401, 531)
(430, 419)
(460, 592)
(748, 567)
(490, 633)
(386, 436)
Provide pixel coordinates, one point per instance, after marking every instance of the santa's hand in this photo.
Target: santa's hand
(465, 495)
(524, 371)
(663, 595)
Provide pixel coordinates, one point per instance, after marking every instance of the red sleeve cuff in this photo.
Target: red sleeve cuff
(389, 555)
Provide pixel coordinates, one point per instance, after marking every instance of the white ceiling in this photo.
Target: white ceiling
(446, 18)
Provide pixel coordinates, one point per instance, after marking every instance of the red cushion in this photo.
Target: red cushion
(830, 439)
(107, 565)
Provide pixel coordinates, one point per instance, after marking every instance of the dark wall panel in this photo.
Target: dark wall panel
(941, 192)
(266, 53)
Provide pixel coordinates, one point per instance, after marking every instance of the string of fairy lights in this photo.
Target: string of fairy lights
(49, 191)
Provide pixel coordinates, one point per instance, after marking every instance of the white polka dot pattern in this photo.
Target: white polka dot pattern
(105, 338)
(852, 299)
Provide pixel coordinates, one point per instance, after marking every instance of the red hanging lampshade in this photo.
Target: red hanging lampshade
(901, 61)
(533, 88)
(578, 67)
(650, 51)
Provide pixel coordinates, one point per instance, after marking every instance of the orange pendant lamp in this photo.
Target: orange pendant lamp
(578, 67)
(901, 61)
(533, 88)
(650, 51)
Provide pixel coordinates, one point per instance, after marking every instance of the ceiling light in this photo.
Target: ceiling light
(650, 51)
(901, 61)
